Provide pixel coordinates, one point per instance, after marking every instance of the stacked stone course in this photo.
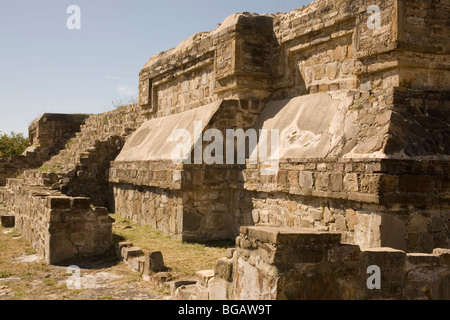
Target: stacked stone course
(363, 116)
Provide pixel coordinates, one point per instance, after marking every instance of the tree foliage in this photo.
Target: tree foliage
(12, 144)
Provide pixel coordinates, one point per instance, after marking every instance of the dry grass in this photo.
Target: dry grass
(184, 259)
(39, 281)
(24, 280)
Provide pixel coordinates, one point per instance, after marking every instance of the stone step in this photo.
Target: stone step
(131, 252)
(154, 262)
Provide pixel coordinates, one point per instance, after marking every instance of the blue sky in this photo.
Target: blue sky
(45, 67)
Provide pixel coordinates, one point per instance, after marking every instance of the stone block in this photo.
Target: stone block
(351, 182)
(204, 276)
(344, 252)
(131, 252)
(322, 181)
(444, 256)
(388, 183)
(293, 177)
(60, 248)
(306, 180)
(8, 221)
(436, 224)
(174, 285)
(59, 202)
(80, 203)
(352, 219)
(186, 292)
(218, 289)
(100, 212)
(137, 264)
(316, 214)
(422, 258)
(224, 269)
(161, 278)
(393, 232)
(154, 262)
(340, 223)
(230, 252)
(391, 263)
(296, 237)
(202, 293)
(418, 223)
(336, 182)
(121, 245)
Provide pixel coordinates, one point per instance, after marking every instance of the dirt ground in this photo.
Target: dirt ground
(23, 276)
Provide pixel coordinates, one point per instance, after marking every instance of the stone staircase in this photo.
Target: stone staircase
(79, 168)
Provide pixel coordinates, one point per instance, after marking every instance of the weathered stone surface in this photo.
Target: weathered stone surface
(345, 274)
(204, 276)
(161, 278)
(218, 289)
(131, 252)
(58, 229)
(156, 133)
(47, 136)
(120, 246)
(186, 292)
(154, 262)
(354, 124)
(224, 269)
(362, 116)
(174, 285)
(137, 264)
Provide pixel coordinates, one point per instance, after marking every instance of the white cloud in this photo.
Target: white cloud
(126, 90)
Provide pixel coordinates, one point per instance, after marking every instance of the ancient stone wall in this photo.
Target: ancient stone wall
(59, 227)
(53, 130)
(193, 202)
(361, 101)
(81, 168)
(52, 204)
(210, 66)
(363, 200)
(325, 46)
(273, 263)
(48, 135)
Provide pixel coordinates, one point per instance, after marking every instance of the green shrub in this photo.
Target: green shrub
(12, 144)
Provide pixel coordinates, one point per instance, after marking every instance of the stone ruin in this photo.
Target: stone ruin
(363, 113)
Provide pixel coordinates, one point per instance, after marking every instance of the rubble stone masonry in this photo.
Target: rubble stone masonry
(361, 104)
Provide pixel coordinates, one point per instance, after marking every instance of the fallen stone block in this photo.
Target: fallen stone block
(174, 285)
(120, 246)
(8, 221)
(154, 262)
(186, 292)
(137, 264)
(204, 276)
(161, 278)
(132, 252)
(224, 269)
